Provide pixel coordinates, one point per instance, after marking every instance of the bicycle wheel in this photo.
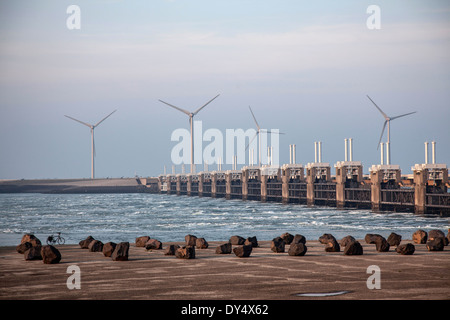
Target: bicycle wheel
(61, 240)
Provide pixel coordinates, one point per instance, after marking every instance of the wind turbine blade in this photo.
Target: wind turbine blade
(179, 109)
(406, 114)
(251, 140)
(257, 125)
(382, 131)
(384, 114)
(86, 124)
(104, 118)
(198, 110)
(268, 131)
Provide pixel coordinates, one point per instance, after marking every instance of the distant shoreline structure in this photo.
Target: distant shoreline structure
(112, 185)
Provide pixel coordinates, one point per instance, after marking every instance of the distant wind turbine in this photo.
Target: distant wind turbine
(259, 136)
(388, 122)
(191, 123)
(92, 126)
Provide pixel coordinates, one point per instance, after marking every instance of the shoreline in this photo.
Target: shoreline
(265, 275)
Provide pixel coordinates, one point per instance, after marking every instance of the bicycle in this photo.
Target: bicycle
(52, 240)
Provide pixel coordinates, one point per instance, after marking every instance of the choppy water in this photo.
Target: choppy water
(123, 217)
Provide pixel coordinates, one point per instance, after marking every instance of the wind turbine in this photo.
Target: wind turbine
(387, 122)
(191, 123)
(92, 126)
(259, 136)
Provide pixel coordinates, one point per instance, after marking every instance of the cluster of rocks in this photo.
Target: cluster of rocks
(116, 251)
(32, 249)
(435, 240)
(297, 244)
(192, 243)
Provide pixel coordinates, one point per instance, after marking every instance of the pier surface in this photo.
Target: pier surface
(264, 275)
(113, 185)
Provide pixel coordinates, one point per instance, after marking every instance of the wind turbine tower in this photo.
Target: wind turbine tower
(191, 123)
(92, 127)
(258, 133)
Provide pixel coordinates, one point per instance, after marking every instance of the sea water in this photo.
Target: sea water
(123, 217)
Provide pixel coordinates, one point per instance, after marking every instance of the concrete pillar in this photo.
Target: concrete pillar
(341, 179)
(420, 190)
(169, 184)
(228, 185)
(189, 184)
(213, 184)
(200, 184)
(376, 177)
(244, 184)
(178, 185)
(310, 179)
(263, 178)
(285, 177)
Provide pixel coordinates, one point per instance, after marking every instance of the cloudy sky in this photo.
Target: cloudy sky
(305, 68)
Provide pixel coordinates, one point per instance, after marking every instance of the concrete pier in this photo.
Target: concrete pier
(349, 174)
(318, 177)
(383, 190)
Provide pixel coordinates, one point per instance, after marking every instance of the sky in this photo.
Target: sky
(304, 67)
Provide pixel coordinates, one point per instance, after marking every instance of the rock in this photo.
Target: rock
(120, 253)
(433, 234)
(437, 244)
(224, 248)
(201, 243)
(95, 246)
(394, 239)
(84, 244)
(251, 240)
(153, 244)
(277, 245)
(382, 245)
(190, 240)
(187, 252)
(370, 238)
(33, 253)
(298, 238)
(406, 249)
(353, 248)
(237, 240)
(380, 242)
(31, 239)
(326, 237)
(297, 249)
(171, 249)
(287, 237)
(141, 241)
(24, 246)
(332, 246)
(420, 236)
(108, 249)
(345, 241)
(50, 255)
(243, 251)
